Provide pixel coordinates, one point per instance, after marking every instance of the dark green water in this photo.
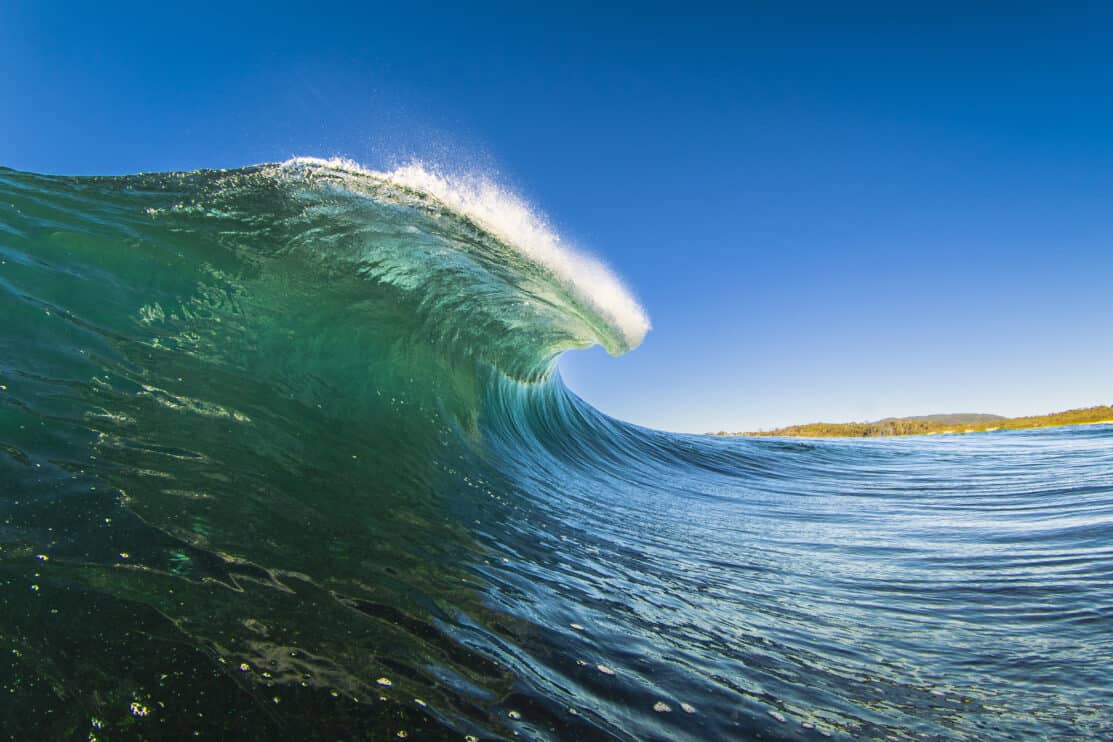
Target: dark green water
(283, 455)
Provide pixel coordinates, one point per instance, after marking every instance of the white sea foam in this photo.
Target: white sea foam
(510, 218)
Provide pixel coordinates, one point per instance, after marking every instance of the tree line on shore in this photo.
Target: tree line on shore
(933, 424)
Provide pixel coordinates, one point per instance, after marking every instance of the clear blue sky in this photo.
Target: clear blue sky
(830, 211)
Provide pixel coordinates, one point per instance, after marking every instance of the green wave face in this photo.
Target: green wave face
(254, 399)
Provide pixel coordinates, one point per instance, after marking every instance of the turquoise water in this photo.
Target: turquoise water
(284, 454)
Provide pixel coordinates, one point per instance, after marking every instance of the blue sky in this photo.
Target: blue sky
(829, 214)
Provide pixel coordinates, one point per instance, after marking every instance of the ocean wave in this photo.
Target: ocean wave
(283, 452)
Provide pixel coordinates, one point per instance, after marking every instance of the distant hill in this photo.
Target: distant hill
(932, 424)
(954, 418)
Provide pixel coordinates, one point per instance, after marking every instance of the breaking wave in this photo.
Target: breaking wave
(283, 452)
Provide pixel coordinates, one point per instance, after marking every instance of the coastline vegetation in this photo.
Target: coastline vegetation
(935, 424)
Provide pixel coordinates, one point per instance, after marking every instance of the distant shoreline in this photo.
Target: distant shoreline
(936, 425)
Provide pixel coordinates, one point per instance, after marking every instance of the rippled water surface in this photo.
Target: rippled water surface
(283, 455)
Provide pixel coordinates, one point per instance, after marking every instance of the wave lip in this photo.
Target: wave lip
(509, 218)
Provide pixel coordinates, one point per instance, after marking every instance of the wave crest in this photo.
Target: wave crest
(510, 218)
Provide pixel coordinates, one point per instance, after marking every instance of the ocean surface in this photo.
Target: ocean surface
(285, 454)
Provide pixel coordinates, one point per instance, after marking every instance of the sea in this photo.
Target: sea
(285, 453)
